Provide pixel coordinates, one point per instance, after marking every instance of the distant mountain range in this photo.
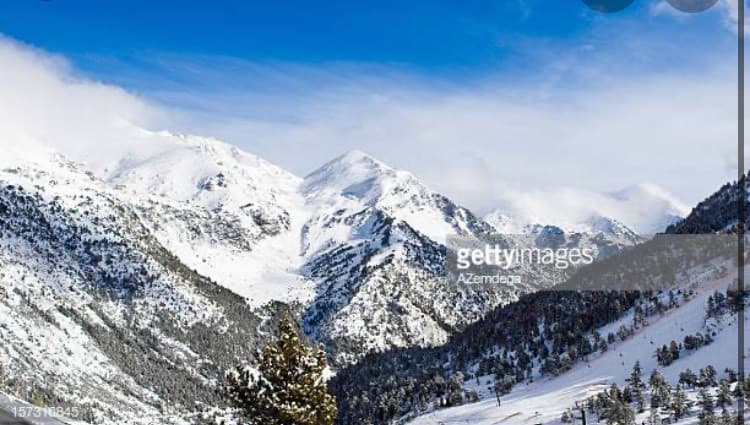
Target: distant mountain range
(643, 208)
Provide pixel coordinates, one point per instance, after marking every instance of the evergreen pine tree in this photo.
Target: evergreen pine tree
(688, 378)
(615, 393)
(627, 394)
(637, 384)
(723, 394)
(674, 350)
(619, 413)
(732, 375)
(659, 389)
(710, 374)
(455, 393)
(678, 404)
(706, 415)
(287, 388)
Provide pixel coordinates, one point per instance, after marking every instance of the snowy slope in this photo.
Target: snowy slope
(96, 313)
(226, 213)
(544, 400)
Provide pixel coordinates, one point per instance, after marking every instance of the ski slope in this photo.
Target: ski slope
(544, 400)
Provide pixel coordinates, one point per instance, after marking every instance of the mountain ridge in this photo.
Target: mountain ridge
(178, 248)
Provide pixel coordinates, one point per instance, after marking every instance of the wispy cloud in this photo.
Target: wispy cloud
(577, 123)
(662, 7)
(480, 140)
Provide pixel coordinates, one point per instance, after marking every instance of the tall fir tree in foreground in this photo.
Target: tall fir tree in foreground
(287, 387)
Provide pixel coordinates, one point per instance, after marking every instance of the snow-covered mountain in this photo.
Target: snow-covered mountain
(147, 248)
(374, 245)
(226, 213)
(605, 236)
(97, 313)
(357, 180)
(184, 250)
(356, 243)
(533, 359)
(547, 351)
(717, 213)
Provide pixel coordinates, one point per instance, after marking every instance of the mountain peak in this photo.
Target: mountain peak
(352, 168)
(356, 156)
(353, 160)
(205, 172)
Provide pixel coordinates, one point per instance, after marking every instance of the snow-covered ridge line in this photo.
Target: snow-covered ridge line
(268, 235)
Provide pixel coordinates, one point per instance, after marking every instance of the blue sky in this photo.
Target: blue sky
(447, 39)
(508, 94)
(431, 35)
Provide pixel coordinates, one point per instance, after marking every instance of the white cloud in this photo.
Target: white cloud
(645, 208)
(477, 142)
(43, 101)
(474, 144)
